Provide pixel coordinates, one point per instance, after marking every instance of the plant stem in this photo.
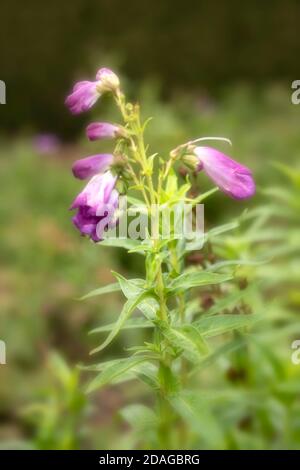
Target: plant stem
(132, 121)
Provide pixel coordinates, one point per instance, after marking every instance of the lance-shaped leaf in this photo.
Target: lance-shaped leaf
(220, 352)
(236, 262)
(147, 373)
(190, 279)
(187, 340)
(115, 287)
(129, 325)
(128, 308)
(149, 307)
(130, 287)
(222, 229)
(219, 324)
(126, 243)
(115, 371)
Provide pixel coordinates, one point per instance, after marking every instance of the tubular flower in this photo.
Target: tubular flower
(85, 93)
(102, 130)
(230, 176)
(96, 206)
(90, 166)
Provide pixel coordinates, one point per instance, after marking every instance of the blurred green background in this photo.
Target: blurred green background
(199, 68)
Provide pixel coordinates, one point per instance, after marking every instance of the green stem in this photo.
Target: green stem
(137, 145)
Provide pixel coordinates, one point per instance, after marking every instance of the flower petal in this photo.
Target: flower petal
(107, 79)
(101, 130)
(83, 97)
(90, 166)
(96, 206)
(231, 177)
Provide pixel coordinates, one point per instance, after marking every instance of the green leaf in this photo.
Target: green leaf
(114, 371)
(288, 171)
(126, 243)
(192, 308)
(140, 417)
(147, 373)
(237, 262)
(129, 325)
(171, 186)
(219, 324)
(60, 369)
(188, 340)
(198, 416)
(149, 307)
(127, 310)
(144, 246)
(99, 366)
(137, 204)
(135, 201)
(190, 279)
(222, 229)
(221, 351)
(130, 287)
(115, 287)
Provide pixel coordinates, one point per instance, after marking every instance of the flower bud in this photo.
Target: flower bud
(191, 161)
(90, 166)
(107, 80)
(85, 93)
(103, 130)
(231, 177)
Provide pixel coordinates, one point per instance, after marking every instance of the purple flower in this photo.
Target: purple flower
(231, 177)
(102, 130)
(85, 94)
(90, 166)
(46, 143)
(96, 206)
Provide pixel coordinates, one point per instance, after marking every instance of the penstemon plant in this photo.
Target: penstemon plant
(164, 298)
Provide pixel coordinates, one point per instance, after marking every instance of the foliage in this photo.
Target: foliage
(246, 388)
(185, 336)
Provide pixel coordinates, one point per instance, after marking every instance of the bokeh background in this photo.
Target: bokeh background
(199, 68)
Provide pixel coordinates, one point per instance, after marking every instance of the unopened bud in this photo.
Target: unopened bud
(107, 80)
(191, 161)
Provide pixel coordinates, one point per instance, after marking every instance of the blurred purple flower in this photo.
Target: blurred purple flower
(96, 206)
(85, 93)
(46, 143)
(90, 166)
(230, 176)
(102, 130)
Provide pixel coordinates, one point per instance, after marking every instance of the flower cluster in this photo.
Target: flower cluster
(97, 203)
